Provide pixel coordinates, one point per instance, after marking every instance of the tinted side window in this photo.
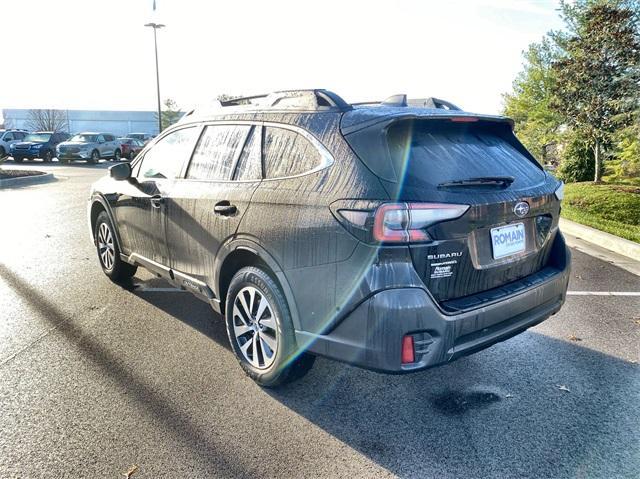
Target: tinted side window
(165, 158)
(109, 137)
(8, 137)
(216, 151)
(287, 153)
(250, 161)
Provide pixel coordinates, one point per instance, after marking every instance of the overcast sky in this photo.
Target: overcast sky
(96, 54)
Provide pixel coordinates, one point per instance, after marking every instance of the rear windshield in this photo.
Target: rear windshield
(431, 153)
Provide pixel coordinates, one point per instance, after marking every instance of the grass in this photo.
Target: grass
(611, 208)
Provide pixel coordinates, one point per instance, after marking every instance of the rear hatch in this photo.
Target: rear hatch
(507, 231)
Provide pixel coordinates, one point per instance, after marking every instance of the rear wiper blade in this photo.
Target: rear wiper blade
(503, 181)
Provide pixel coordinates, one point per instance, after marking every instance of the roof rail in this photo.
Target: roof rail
(432, 102)
(300, 100)
(313, 100)
(401, 100)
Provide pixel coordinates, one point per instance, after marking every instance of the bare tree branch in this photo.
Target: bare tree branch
(47, 120)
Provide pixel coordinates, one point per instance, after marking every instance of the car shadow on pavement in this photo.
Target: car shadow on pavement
(533, 406)
(161, 410)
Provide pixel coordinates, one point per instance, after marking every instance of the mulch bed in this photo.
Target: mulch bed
(4, 174)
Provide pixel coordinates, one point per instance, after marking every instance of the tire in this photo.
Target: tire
(132, 155)
(109, 253)
(117, 156)
(18, 159)
(64, 161)
(95, 157)
(48, 156)
(3, 152)
(274, 330)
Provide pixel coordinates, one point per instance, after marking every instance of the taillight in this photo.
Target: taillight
(406, 222)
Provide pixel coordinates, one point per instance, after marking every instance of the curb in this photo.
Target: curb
(27, 180)
(608, 241)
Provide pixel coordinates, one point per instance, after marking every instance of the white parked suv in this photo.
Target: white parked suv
(89, 146)
(7, 137)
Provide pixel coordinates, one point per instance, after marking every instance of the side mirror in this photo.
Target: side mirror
(120, 172)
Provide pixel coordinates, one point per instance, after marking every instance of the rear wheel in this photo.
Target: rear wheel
(48, 156)
(108, 251)
(95, 157)
(3, 152)
(132, 155)
(117, 156)
(260, 330)
(18, 159)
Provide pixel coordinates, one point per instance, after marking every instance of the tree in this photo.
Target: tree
(170, 113)
(47, 120)
(597, 73)
(529, 104)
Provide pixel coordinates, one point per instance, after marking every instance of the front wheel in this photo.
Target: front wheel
(48, 156)
(95, 157)
(18, 159)
(260, 330)
(108, 251)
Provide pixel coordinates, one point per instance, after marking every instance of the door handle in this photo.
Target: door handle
(224, 208)
(157, 201)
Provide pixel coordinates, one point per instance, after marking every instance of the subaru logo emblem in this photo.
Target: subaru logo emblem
(521, 209)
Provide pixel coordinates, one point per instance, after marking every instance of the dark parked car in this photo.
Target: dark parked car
(130, 147)
(394, 236)
(39, 144)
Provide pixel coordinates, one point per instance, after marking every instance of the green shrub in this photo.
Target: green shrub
(577, 162)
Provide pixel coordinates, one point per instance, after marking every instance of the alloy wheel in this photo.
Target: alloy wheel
(255, 328)
(106, 248)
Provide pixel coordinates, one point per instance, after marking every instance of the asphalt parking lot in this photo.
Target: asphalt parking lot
(95, 378)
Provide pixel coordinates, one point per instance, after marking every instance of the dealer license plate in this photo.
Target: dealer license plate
(508, 240)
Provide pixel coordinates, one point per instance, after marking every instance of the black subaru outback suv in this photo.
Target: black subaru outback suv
(394, 236)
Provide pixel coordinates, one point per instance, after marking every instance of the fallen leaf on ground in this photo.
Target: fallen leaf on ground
(132, 470)
(574, 338)
(562, 387)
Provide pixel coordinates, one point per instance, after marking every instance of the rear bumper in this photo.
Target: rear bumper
(371, 336)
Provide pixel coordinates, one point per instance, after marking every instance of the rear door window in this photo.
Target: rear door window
(288, 153)
(216, 152)
(429, 153)
(250, 162)
(166, 158)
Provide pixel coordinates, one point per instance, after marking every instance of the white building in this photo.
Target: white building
(116, 122)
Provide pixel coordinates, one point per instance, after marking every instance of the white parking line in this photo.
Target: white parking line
(603, 293)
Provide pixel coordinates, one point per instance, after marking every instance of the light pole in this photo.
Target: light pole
(155, 27)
